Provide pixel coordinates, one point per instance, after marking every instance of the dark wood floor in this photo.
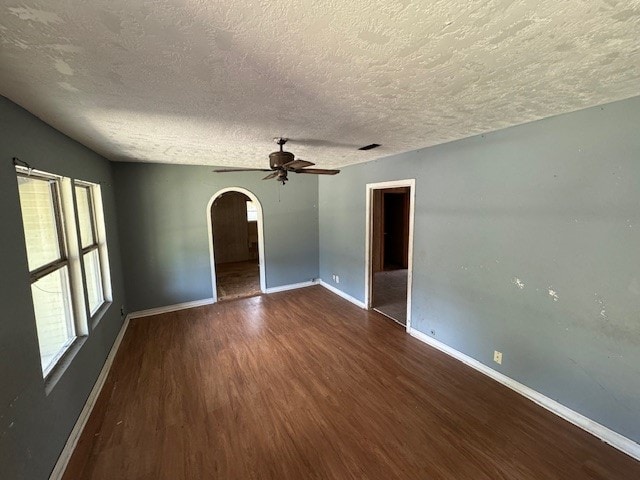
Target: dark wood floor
(304, 385)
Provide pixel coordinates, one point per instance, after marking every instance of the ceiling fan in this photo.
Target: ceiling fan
(282, 163)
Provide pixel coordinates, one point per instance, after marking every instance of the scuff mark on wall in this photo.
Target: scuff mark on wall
(519, 283)
(553, 294)
(603, 310)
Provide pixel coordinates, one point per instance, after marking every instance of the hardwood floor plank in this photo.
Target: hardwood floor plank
(305, 385)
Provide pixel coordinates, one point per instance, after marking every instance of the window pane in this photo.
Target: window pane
(54, 317)
(84, 216)
(39, 221)
(94, 280)
(252, 213)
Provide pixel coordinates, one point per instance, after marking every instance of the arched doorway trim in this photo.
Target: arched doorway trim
(256, 202)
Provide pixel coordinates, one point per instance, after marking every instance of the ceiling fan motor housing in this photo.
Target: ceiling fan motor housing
(277, 159)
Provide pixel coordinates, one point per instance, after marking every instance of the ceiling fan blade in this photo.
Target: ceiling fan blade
(297, 164)
(317, 171)
(270, 176)
(224, 170)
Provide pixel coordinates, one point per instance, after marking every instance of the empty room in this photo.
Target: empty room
(319, 240)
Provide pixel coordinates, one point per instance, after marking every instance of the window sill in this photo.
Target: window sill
(95, 319)
(67, 357)
(63, 363)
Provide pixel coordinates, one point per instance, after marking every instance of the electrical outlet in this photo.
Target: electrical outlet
(497, 357)
(337, 279)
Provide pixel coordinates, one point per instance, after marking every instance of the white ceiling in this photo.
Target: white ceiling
(204, 82)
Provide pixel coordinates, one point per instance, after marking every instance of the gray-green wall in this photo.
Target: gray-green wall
(34, 424)
(555, 204)
(163, 225)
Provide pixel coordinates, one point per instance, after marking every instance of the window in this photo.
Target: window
(90, 246)
(48, 265)
(252, 212)
(57, 248)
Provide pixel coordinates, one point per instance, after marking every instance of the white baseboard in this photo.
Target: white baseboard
(72, 441)
(171, 308)
(605, 434)
(291, 286)
(340, 293)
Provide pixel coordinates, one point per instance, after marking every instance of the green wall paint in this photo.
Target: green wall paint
(34, 426)
(163, 222)
(555, 204)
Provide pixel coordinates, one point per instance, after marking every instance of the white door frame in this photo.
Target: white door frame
(256, 202)
(411, 183)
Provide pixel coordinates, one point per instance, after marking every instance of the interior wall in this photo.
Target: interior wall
(230, 228)
(527, 242)
(34, 425)
(162, 213)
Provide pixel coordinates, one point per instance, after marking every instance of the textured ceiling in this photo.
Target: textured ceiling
(196, 81)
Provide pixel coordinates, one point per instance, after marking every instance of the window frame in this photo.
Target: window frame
(71, 258)
(64, 260)
(98, 236)
(252, 211)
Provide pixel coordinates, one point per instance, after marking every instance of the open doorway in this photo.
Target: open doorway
(389, 235)
(236, 244)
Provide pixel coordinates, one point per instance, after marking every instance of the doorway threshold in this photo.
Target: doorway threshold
(231, 298)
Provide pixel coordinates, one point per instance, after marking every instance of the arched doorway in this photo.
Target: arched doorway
(236, 243)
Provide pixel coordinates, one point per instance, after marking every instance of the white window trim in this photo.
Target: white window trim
(75, 258)
(70, 238)
(69, 225)
(98, 220)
